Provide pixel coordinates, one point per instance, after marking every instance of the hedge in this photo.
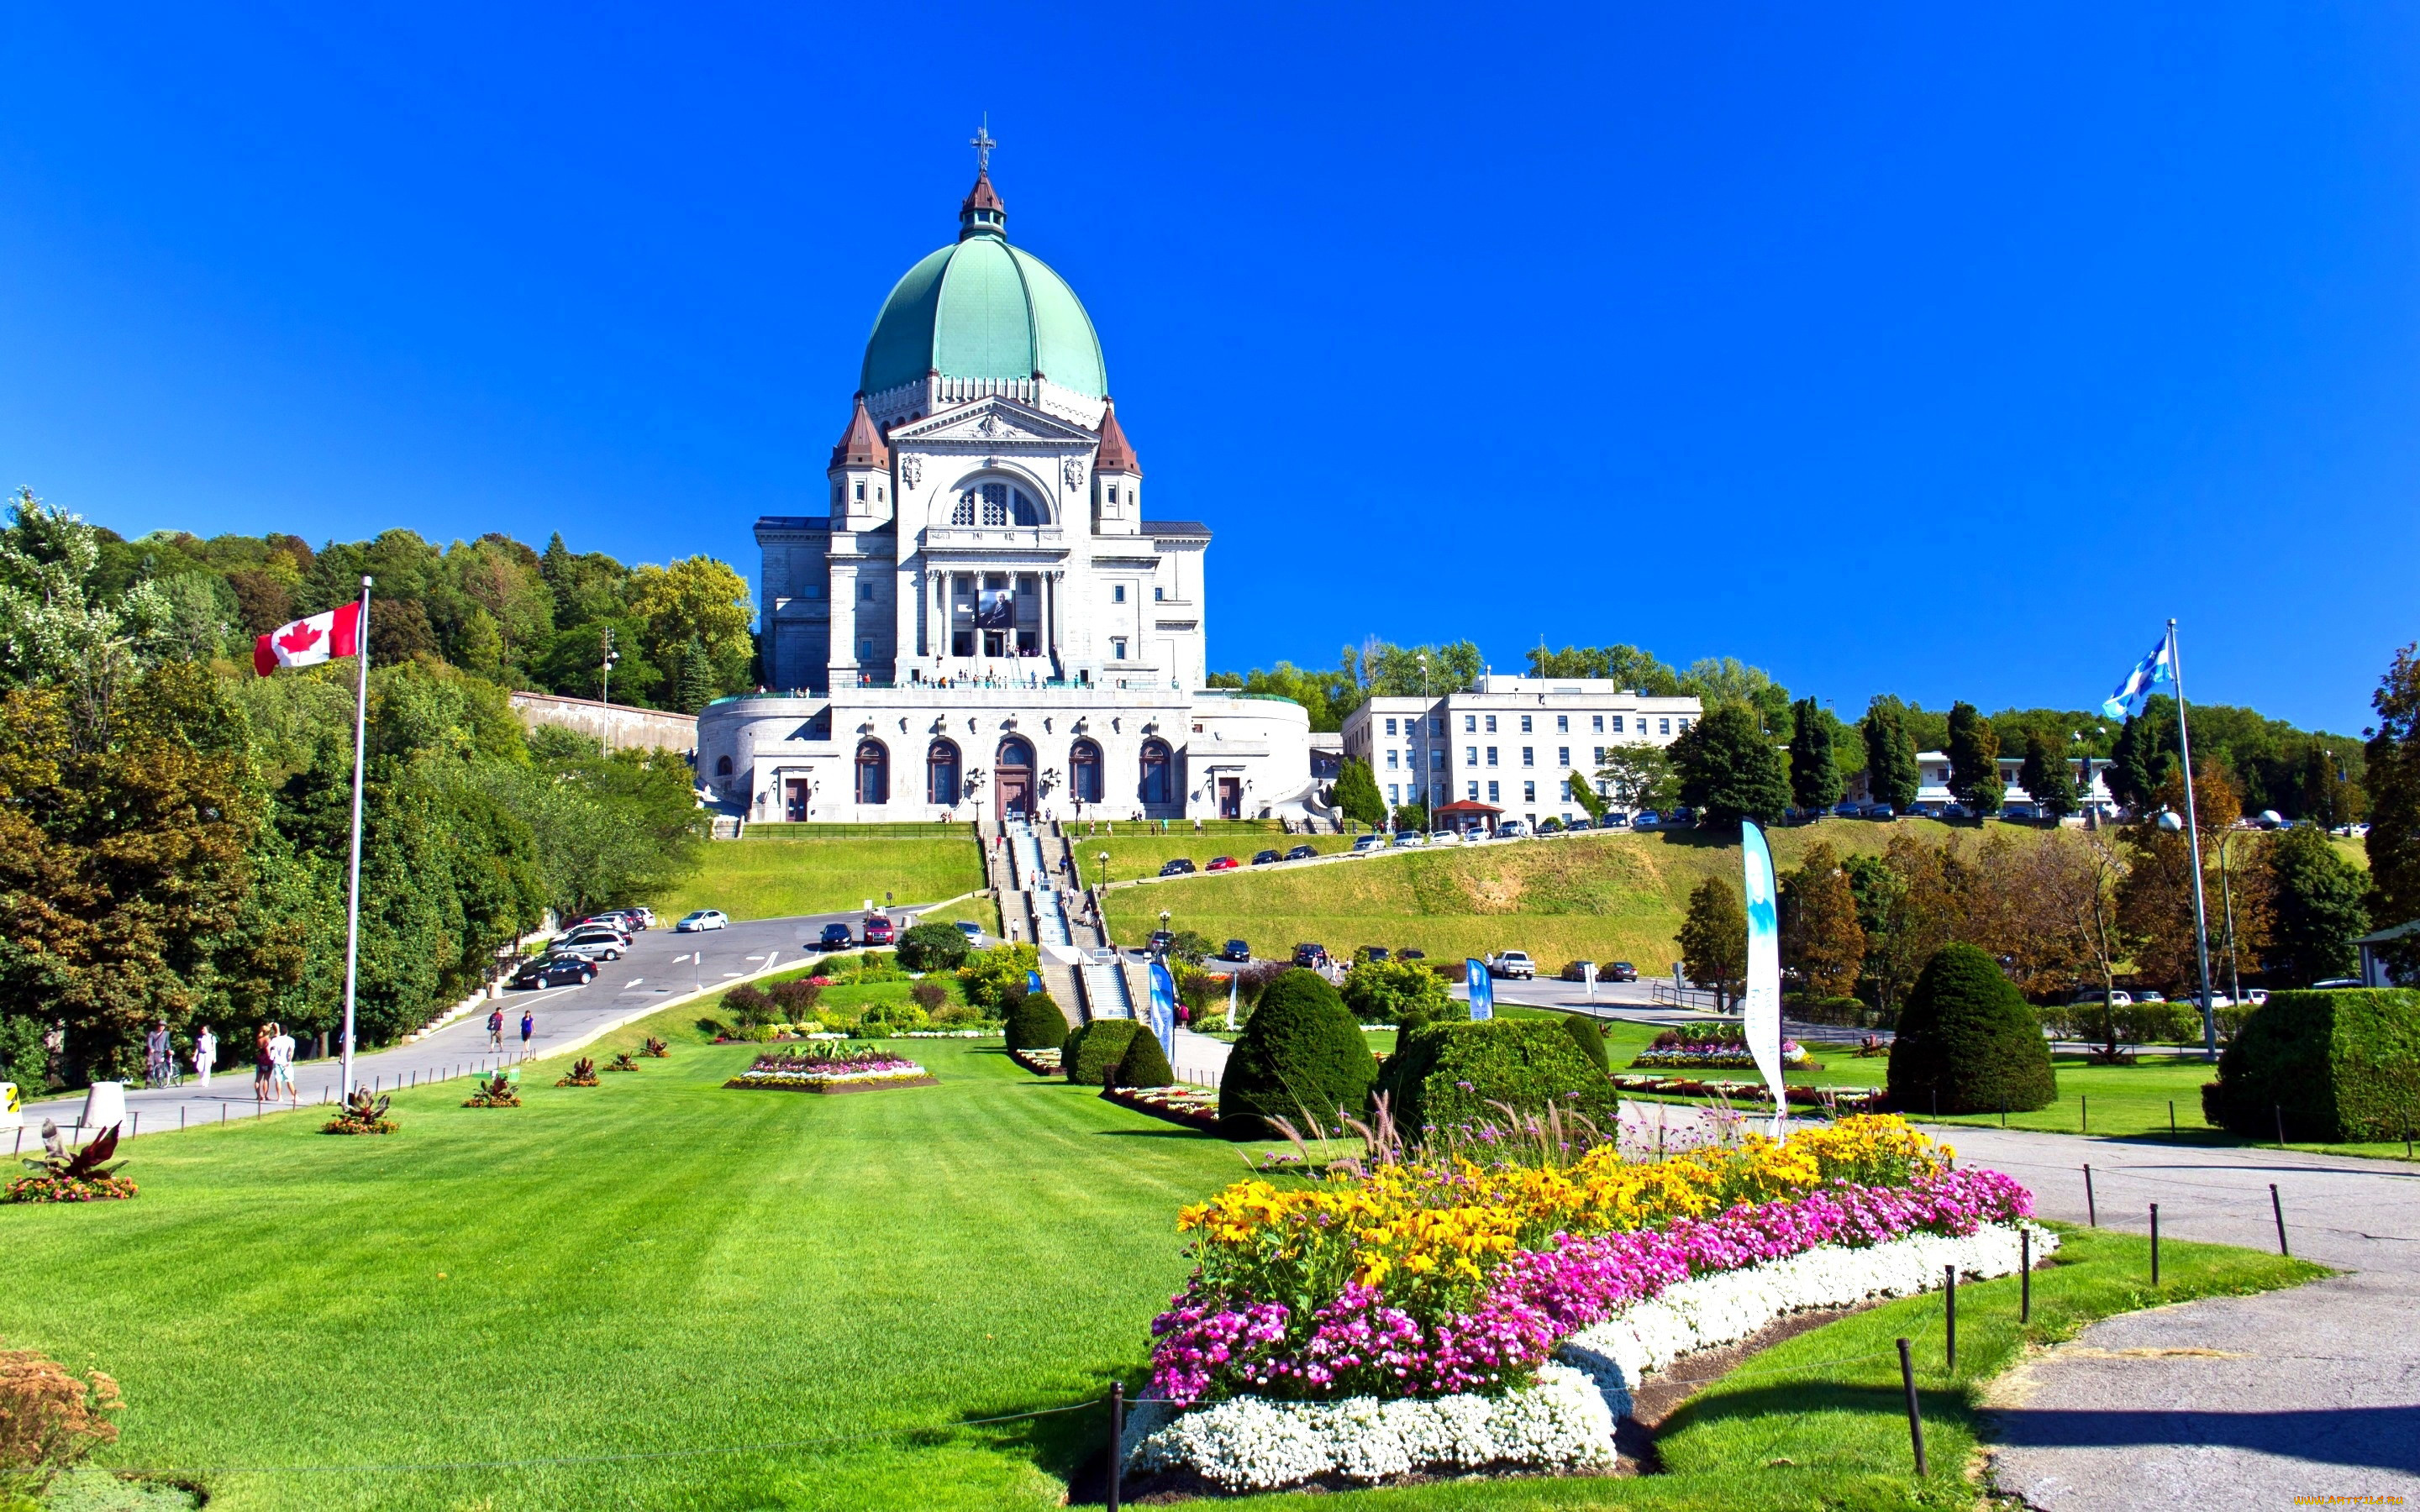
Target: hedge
(1144, 1064)
(1968, 1042)
(934, 948)
(1443, 1075)
(1089, 1054)
(1300, 1054)
(1035, 1023)
(1590, 1040)
(2338, 1067)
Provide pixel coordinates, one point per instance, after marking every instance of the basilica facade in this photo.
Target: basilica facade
(986, 623)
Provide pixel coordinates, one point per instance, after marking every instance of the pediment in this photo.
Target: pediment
(991, 421)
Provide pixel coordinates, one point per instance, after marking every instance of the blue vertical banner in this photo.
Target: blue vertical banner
(1163, 1007)
(1033, 981)
(1482, 989)
(1761, 1011)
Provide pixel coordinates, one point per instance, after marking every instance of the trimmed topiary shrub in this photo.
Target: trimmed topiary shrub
(1968, 1039)
(1144, 1064)
(1035, 1023)
(934, 948)
(1446, 1076)
(1590, 1041)
(1089, 1056)
(2337, 1066)
(1300, 1053)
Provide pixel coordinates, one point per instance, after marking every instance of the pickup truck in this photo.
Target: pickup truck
(1515, 964)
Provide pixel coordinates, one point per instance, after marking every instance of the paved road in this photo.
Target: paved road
(660, 965)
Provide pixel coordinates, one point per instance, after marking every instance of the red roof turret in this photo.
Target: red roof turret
(1117, 453)
(860, 445)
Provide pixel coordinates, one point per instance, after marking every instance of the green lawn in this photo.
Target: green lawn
(657, 1266)
(1134, 853)
(778, 876)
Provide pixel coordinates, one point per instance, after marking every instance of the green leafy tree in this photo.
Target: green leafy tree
(1357, 794)
(1815, 781)
(2393, 842)
(1585, 795)
(700, 598)
(1821, 938)
(1891, 775)
(1729, 680)
(1386, 669)
(2047, 779)
(1638, 778)
(1625, 666)
(1395, 992)
(1974, 760)
(1143, 1064)
(2318, 906)
(2143, 754)
(1714, 941)
(1729, 768)
(2329, 798)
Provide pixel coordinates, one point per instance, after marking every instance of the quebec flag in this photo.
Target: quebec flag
(2150, 674)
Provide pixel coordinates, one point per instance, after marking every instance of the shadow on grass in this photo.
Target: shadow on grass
(1068, 1441)
(2369, 1438)
(1157, 1133)
(1798, 1398)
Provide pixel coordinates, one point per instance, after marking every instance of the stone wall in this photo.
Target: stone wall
(618, 725)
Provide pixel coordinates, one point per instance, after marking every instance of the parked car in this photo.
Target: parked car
(1550, 825)
(1680, 818)
(1222, 863)
(2092, 994)
(1618, 971)
(1514, 965)
(876, 930)
(1363, 845)
(2018, 810)
(972, 930)
(1880, 810)
(1849, 809)
(704, 918)
(1369, 953)
(1614, 821)
(1159, 942)
(1647, 820)
(592, 948)
(1311, 955)
(1303, 853)
(1576, 970)
(837, 936)
(1181, 866)
(1264, 858)
(1512, 829)
(1445, 837)
(555, 971)
(1410, 837)
(1235, 951)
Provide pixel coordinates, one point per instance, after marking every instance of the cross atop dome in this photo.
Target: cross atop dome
(983, 214)
(983, 144)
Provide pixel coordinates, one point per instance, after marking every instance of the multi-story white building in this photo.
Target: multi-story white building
(1509, 743)
(1933, 795)
(984, 622)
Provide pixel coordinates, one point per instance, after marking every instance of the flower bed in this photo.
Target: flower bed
(1714, 1047)
(1195, 1107)
(1844, 1099)
(831, 1069)
(70, 1189)
(1040, 1062)
(1454, 1284)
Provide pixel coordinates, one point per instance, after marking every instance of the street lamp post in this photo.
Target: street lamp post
(1104, 859)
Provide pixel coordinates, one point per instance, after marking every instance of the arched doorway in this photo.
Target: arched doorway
(872, 772)
(1159, 773)
(1013, 779)
(942, 774)
(1084, 772)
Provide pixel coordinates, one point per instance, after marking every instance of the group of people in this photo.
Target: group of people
(272, 1063)
(496, 1030)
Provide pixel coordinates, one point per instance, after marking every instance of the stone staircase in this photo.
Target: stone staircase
(1105, 991)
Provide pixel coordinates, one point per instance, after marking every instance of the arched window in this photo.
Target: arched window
(1084, 767)
(995, 503)
(1016, 753)
(942, 774)
(1158, 772)
(872, 772)
(722, 767)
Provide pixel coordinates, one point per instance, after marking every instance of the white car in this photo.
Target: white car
(587, 946)
(704, 918)
(1512, 829)
(1515, 964)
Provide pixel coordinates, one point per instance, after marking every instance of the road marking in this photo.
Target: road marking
(731, 973)
(755, 958)
(632, 982)
(769, 957)
(678, 959)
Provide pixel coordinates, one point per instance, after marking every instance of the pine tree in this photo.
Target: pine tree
(1815, 782)
(1714, 941)
(696, 678)
(2328, 800)
(2139, 759)
(1891, 775)
(2393, 842)
(1820, 933)
(1729, 769)
(1357, 794)
(2046, 779)
(2317, 908)
(1974, 761)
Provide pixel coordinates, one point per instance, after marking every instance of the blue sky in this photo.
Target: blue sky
(1910, 348)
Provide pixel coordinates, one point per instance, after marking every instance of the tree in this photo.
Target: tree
(2141, 756)
(1910, 903)
(1586, 797)
(1974, 761)
(2046, 779)
(695, 680)
(2155, 904)
(1729, 768)
(1729, 680)
(2318, 909)
(1714, 941)
(1357, 794)
(1821, 936)
(1625, 666)
(2394, 842)
(1638, 778)
(1815, 784)
(1143, 1064)
(1402, 992)
(2066, 901)
(1891, 775)
(2329, 800)
(1967, 1043)
(700, 598)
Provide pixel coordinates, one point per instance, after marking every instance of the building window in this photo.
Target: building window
(1524, 726)
(1491, 724)
(963, 512)
(872, 772)
(1117, 648)
(1600, 756)
(1390, 727)
(1597, 724)
(1158, 774)
(995, 503)
(1528, 792)
(865, 593)
(865, 651)
(941, 773)
(1491, 755)
(1667, 727)
(1436, 726)
(1562, 755)
(1562, 724)
(1084, 763)
(722, 767)
(1528, 755)
(1390, 760)
(1684, 721)
(1118, 594)
(1617, 724)
(1113, 493)
(1470, 724)
(860, 493)
(1394, 792)
(1474, 790)
(1157, 594)
(1436, 759)
(1494, 796)
(1470, 755)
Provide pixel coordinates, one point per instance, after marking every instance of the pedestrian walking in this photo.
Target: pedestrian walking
(156, 1055)
(260, 1064)
(205, 1056)
(528, 1027)
(281, 1065)
(496, 1030)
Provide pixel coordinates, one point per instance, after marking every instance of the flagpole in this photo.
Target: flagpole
(354, 887)
(2193, 831)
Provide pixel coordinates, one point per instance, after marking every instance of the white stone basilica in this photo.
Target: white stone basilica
(986, 625)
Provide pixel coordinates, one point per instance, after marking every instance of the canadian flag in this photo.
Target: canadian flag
(308, 642)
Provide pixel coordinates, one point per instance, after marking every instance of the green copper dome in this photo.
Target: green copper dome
(983, 309)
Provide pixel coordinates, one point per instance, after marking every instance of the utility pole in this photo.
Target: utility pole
(605, 692)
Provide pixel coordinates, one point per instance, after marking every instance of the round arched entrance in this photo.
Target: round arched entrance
(1013, 779)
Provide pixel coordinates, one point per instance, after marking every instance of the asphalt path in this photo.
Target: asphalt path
(660, 965)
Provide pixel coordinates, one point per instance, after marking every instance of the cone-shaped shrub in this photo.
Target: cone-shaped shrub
(1091, 1054)
(1459, 1076)
(1590, 1040)
(1144, 1063)
(1301, 1053)
(1967, 1038)
(1034, 1022)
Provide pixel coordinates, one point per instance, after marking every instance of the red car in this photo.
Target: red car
(876, 930)
(1222, 863)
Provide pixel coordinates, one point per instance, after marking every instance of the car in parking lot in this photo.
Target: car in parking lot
(1880, 810)
(1680, 818)
(1411, 955)
(1181, 866)
(1614, 821)
(1222, 863)
(972, 930)
(1576, 970)
(1445, 837)
(2092, 994)
(1264, 858)
(1302, 853)
(555, 971)
(703, 919)
(1363, 845)
(1512, 829)
(1309, 954)
(876, 930)
(1618, 971)
(1235, 951)
(837, 936)
(1512, 964)
(1647, 820)
(1369, 953)
(1410, 837)
(596, 947)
